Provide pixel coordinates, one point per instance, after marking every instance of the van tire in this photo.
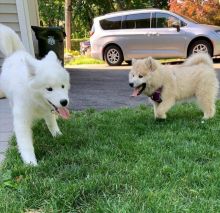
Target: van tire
(113, 55)
(200, 45)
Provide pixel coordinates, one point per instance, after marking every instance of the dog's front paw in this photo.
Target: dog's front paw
(56, 133)
(29, 159)
(160, 116)
(31, 163)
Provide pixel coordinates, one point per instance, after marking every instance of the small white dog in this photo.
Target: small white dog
(35, 88)
(167, 84)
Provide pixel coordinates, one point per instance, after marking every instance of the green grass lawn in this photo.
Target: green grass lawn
(119, 161)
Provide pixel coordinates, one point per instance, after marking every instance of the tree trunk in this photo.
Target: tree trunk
(68, 16)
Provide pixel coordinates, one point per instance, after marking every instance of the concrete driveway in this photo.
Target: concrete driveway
(101, 89)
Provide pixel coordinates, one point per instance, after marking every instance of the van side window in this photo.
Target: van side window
(113, 23)
(134, 21)
(164, 20)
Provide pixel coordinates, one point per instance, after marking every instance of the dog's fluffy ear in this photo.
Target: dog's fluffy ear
(51, 55)
(31, 67)
(32, 71)
(151, 64)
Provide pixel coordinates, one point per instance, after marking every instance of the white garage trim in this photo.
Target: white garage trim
(25, 25)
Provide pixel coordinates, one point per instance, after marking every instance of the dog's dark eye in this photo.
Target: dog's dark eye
(49, 89)
(62, 86)
(140, 76)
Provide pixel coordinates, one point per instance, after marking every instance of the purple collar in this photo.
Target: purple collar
(156, 96)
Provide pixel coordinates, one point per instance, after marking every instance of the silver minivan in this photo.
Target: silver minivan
(121, 36)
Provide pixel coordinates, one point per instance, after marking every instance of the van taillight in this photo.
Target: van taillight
(91, 33)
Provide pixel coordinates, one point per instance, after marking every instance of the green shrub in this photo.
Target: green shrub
(72, 52)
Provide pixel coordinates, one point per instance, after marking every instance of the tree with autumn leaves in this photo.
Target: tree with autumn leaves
(202, 11)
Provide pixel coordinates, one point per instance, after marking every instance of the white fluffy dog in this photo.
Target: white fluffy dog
(167, 84)
(35, 88)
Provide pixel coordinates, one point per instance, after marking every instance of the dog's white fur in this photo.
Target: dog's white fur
(27, 82)
(196, 77)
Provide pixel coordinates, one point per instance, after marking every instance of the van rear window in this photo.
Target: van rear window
(113, 23)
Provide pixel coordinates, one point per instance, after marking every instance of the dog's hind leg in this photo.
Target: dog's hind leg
(51, 122)
(207, 105)
(206, 95)
(23, 135)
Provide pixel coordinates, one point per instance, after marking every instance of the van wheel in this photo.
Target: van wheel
(113, 55)
(200, 46)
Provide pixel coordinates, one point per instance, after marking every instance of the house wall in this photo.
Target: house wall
(20, 15)
(9, 17)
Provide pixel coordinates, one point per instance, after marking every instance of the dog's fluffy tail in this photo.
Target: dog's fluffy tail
(10, 41)
(199, 58)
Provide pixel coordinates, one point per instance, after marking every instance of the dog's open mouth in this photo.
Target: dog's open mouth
(138, 90)
(62, 111)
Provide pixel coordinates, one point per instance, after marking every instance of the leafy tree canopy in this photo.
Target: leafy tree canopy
(52, 11)
(202, 11)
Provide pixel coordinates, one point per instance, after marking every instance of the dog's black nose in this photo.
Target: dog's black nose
(64, 102)
(131, 84)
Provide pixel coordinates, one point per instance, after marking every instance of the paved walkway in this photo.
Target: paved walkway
(87, 91)
(6, 128)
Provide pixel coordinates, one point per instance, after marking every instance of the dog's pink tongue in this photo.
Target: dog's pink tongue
(135, 92)
(63, 112)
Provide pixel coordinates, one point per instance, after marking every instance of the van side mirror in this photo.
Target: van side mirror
(177, 26)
